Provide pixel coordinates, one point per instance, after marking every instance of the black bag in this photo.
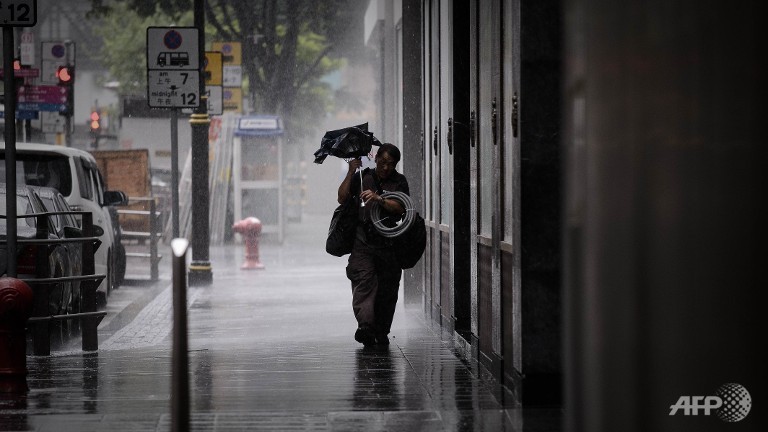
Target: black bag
(411, 244)
(341, 233)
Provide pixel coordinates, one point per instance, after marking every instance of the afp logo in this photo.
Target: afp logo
(731, 403)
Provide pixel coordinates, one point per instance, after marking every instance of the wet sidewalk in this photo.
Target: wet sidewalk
(270, 350)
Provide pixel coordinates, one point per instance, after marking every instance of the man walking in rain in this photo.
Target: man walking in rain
(373, 268)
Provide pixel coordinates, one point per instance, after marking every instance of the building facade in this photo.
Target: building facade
(454, 75)
(591, 174)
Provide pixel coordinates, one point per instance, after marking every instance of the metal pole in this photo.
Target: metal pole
(175, 171)
(154, 270)
(68, 117)
(200, 269)
(180, 363)
(90, 336)
(10, 149)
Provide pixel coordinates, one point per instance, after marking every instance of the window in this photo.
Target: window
(41, 170)
(84, 178)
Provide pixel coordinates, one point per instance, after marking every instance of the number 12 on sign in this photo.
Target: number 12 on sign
(18, 13)
(173, 89)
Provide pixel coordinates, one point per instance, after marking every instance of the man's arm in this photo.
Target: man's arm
(346, 184)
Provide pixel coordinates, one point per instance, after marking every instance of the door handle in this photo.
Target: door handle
(434, 141)
(515, 114)
(494, 122)
(472, 128)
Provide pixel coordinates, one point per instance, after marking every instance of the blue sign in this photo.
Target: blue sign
(22, 115)
(34, 106)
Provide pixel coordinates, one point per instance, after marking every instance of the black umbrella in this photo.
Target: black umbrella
(347, 143)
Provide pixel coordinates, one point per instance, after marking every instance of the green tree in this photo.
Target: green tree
(288, 47)
(125, 49)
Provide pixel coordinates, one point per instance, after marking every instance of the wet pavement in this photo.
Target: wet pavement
(269, 350)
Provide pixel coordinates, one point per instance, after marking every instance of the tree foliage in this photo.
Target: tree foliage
(288, 46)
(124, 51)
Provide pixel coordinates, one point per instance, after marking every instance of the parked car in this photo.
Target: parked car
(66, 226)
(74, 173)
(28, 203)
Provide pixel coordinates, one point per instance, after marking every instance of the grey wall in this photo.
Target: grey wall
(665, 211)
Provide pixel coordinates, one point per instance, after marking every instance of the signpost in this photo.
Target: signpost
(13, 13)
(173, 81)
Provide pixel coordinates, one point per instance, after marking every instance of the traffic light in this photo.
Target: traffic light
(66, 78)
(95, 122)
(65, 75)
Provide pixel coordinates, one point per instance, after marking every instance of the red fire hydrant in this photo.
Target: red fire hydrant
(250, 229)
(15, 308)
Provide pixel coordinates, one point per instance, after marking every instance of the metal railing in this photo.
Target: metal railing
(41, 285)
(150, 237)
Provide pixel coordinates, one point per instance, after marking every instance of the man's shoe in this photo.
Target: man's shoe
(382, 339)
(365, 336)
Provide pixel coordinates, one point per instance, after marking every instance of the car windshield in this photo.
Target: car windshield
(42, 170)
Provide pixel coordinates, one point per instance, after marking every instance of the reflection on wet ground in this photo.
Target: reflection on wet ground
(270, 350)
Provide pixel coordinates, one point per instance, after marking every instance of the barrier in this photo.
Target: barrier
(149, 238)
(41, 285)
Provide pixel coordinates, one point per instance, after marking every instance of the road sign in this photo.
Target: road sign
(18, 13)
(213, 82)
(173, 88)
(27, 48)
(215, 100)
(173, 67)
(38, 106)
(172, 48)
(42, 94)
(231, 52)
(213, 68)
(52, 122)
(233, 99)
(20, 114)
(233, 76)
(52, 55)
(22, 73)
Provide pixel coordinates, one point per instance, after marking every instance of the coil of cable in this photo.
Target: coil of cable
(405, 223)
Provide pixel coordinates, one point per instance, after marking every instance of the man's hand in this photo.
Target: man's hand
(369, 195)
(354, 164)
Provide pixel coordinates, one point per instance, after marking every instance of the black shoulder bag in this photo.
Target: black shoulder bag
(342, 232)
(410, 244)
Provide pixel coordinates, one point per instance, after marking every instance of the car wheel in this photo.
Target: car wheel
(101, 296)
(120, 265)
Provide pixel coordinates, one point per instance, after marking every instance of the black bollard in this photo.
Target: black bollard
(180, 357)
